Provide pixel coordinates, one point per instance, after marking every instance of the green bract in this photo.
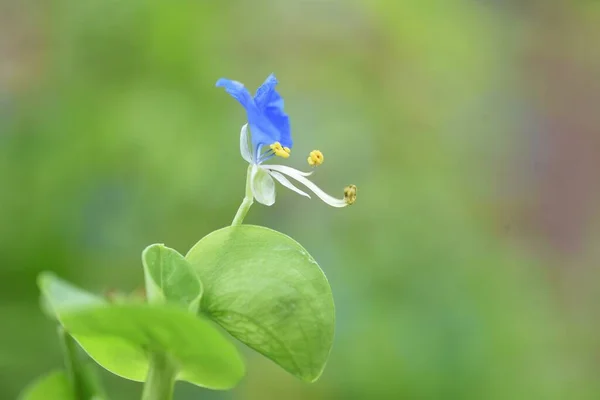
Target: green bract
(267, 291)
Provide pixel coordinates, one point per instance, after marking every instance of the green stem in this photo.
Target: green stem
(73, 365)
(246, 203)
(160, 381)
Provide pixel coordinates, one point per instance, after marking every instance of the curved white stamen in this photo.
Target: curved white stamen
(285, 182)
(300, 177)
(284, 169)
(245, 144)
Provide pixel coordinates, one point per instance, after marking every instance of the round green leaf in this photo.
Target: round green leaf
(53, 386)
(120, 336)
(268, 292)
(170, 277)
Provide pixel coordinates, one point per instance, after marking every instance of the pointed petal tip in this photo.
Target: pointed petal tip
(272, 78)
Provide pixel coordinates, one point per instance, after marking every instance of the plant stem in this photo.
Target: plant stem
(160, 381)
(73, 365)
(247, 202)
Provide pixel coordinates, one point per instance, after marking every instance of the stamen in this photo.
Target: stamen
(265, 156)
(350, 194)
(280, 151)
(315, 158)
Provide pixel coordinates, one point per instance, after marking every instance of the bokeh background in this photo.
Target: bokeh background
(467, 269)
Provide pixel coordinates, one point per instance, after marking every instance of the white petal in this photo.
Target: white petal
(263, 186)
(284, 169)
(245, 144)
(285, 182)
(300, 177)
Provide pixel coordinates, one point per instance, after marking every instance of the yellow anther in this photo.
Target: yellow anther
(280, 151)
(350, 194)
(276, 146)
(315, 158)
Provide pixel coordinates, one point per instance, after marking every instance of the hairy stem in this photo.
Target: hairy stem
(247, 202)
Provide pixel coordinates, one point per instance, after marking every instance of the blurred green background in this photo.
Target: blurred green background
(467, 269)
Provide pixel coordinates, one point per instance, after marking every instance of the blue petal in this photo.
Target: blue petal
(264, 92)
(268, 122)
(237, 91)
(262, 132)
(270, 103)
(279, 119)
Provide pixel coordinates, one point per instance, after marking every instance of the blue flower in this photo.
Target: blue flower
(269, 124)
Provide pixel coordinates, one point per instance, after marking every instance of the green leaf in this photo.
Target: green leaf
(202, 354)
(120, 337)
(53, 386)
(170, 278)
(268, 292)
(58, 294)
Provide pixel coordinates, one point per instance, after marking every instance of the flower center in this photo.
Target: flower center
(280, 151)
(315, 158)
(350, 194)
